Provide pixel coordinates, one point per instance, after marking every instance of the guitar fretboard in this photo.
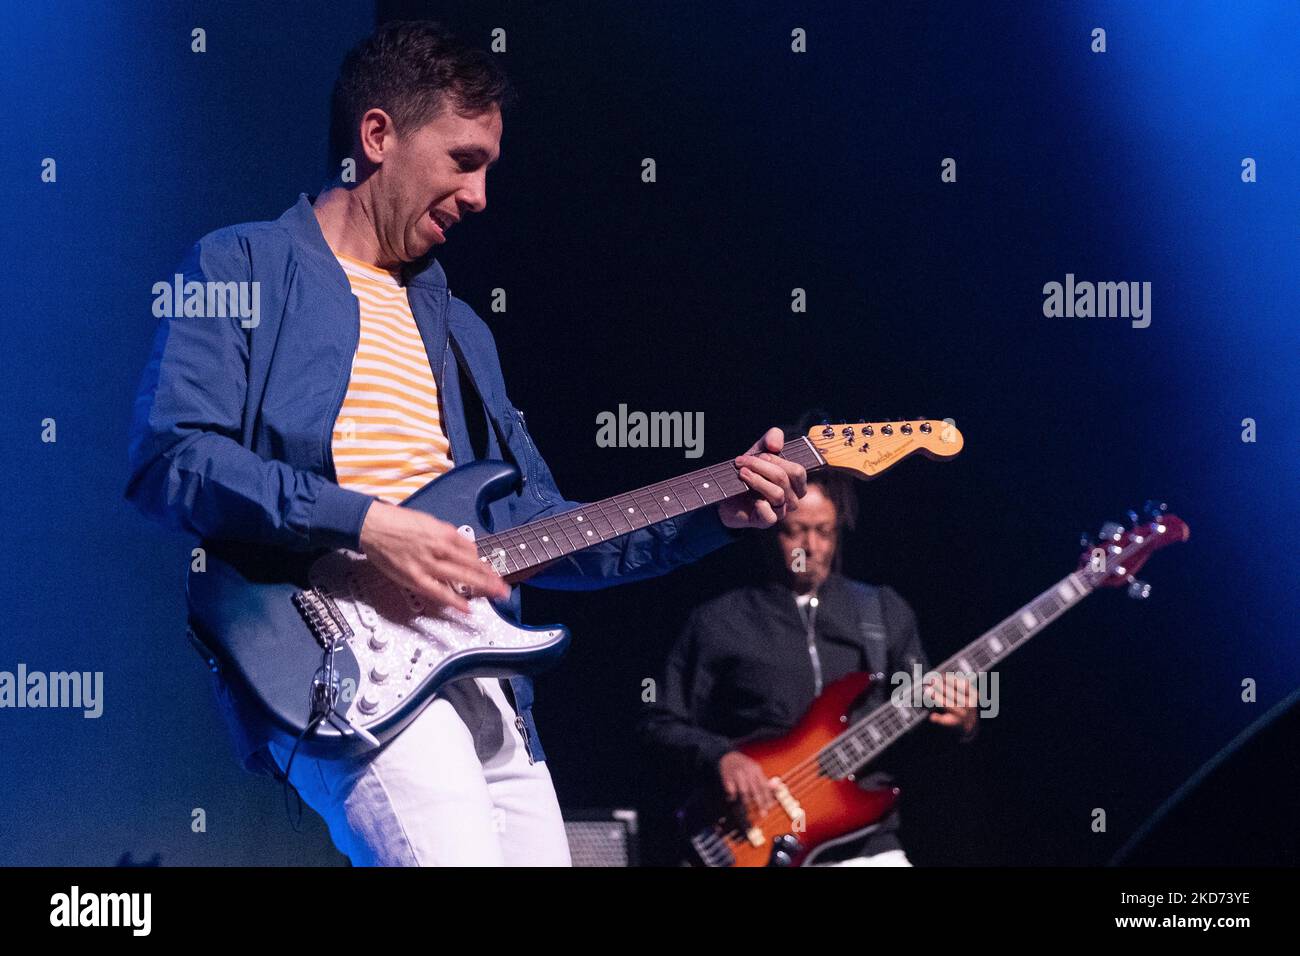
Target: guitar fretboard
(546, 539)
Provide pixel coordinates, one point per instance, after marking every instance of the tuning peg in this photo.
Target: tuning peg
(1155, 508)
(1138, 590)
(1132, 518)
(1110, 531)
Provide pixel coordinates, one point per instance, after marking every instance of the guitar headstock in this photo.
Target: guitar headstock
(1117, 554)
(868, 448)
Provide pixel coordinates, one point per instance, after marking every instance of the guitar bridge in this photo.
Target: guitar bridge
(323, 617)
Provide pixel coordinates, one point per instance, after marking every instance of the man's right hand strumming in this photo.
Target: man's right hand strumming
(418, 551)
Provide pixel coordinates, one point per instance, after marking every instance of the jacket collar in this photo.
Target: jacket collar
(299, 220)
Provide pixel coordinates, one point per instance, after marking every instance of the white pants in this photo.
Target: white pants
(454, 788)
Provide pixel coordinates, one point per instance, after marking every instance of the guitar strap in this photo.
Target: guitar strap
(871, 625)
(476, 411)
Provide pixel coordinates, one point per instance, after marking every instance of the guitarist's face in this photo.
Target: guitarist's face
(808, 538)
(428, 178)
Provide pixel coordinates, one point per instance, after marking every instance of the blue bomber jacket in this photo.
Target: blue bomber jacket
(232, 426)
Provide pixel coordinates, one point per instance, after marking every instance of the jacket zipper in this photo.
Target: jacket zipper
(524, 426)
(810, 624)
(532, 458)
(441, 384)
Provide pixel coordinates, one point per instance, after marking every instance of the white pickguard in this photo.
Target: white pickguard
(397, 643)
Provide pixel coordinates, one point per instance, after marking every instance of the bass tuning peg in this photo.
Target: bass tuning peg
(1138, 590)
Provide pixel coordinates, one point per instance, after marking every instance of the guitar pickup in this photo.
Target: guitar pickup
(786, 799)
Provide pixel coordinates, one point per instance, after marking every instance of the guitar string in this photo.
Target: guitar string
(803, 449)
(799, 451)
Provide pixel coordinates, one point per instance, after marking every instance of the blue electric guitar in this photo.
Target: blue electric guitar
(339, 659)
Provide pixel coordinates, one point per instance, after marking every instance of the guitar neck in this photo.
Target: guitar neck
(878, 730)
(547, 539)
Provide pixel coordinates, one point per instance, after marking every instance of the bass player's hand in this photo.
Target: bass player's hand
(742, 777)
(418, 551)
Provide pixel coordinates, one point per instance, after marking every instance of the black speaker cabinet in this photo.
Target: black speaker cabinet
(602, 837)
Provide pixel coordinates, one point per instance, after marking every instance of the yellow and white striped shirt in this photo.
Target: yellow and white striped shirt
(388, 440)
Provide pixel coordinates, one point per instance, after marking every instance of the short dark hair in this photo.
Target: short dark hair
(412, 69)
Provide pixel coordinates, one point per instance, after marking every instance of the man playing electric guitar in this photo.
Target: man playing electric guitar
(303, 427)
(750, 663)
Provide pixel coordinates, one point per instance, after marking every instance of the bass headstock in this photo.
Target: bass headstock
(1117, 553)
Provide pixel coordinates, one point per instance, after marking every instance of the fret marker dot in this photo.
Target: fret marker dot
(523, 547)
(665, 497)
(545, 538)
(588, 534)
(579, 517)
(631, 510)
(706, 484)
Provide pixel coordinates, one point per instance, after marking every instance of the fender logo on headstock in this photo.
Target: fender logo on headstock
(869, 448)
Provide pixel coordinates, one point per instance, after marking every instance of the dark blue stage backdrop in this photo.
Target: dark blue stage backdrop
(921, 171)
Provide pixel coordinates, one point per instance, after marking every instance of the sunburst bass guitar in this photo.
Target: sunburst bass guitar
(813, 769)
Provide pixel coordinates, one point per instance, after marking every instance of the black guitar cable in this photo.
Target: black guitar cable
(324, 695)
(295, 823)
